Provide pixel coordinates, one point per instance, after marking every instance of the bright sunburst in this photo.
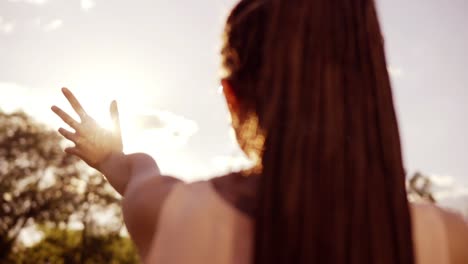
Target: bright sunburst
(96, 95)
(170, 132)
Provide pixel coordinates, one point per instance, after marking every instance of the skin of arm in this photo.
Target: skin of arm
(125, 172)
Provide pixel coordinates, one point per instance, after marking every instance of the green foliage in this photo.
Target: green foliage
(41, 185)
(28, 152)
(74, 246)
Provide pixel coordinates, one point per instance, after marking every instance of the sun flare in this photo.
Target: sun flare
(96, 96)
(143, 127)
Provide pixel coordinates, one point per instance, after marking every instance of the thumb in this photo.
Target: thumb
(114, 111)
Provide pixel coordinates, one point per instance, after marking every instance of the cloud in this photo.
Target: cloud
(452, 193)
(87, 4)
(395, 71)
(445, 186)
(163, 134)
(12, 96)
(36, 102)
(442, 180)
(456, 201)
(6, 27)
(33, 2)
(235, 162)
(37, 22)
(150, 121)
(142, 130)
(161, 129)
(449, 193)
(175, 124)
(53, 25)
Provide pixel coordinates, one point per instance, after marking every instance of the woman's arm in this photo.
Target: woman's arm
(123, 171)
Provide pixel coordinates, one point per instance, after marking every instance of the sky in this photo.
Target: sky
(159, 59)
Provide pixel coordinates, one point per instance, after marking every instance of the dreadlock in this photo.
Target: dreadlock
(317, 112)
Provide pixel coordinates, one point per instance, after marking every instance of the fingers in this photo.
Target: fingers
(68, 135)
(75, 152)
(65, 117)
(74, 103)
(114, 110)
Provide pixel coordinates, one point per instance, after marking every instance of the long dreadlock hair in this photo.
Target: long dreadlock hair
(317, 111)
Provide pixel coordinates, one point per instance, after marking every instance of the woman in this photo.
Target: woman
(307, 86)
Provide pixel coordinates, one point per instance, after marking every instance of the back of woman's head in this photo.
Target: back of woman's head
(316, 107)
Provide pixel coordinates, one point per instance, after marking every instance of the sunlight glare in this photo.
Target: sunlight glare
(96, 96)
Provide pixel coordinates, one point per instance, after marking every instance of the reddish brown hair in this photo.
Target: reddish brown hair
(316, 108)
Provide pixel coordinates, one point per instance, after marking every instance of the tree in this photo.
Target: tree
(39, 183)
(65, 246)
(419, 188)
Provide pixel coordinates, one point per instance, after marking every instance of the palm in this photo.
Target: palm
(93, 144)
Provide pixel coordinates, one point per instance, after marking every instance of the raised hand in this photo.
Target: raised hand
(93, 143)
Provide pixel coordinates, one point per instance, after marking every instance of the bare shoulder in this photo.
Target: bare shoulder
(190, 198)
(151, 193)
(187, 230)
(150, 197)
(439, 232)
(456, 227)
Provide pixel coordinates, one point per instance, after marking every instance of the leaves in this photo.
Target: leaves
(40, 184)
(74, 246)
